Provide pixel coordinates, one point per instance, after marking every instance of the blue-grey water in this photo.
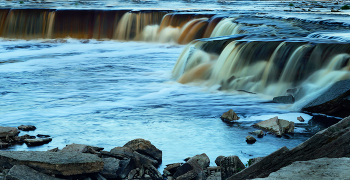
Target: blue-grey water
(106, 93)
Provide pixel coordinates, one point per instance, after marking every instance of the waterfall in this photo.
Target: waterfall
(124, 25)
(269, 67)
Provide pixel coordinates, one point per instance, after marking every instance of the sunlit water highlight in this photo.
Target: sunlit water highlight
(106, 93)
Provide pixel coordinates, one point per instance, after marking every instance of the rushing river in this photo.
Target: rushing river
(106, 93)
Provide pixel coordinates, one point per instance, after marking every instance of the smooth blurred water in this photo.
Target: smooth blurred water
(106, 93)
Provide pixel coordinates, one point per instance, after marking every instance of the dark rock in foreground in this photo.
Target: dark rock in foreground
(333, 142)
(22, 172)
(335, 101)
(324, 168)
(60, 163)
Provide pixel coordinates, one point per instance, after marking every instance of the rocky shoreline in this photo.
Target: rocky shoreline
(139, 159)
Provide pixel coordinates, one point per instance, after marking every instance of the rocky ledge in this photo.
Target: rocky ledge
(327, 153)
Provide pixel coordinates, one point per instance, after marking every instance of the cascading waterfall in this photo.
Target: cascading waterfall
(268, 67)
(125, 25)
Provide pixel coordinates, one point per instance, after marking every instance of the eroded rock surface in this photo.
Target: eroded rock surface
(323, 168)
(61, 163)
(22, 172)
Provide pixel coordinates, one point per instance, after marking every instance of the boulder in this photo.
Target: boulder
(146, 148)
(229, 116)
(37, 142)
(190, 170)
(26, 127)
(60, 163)
(110, 167)
(230, 165)
(276, 126)
(22, 172)
(125, 166)
(335, 101)
(202, 159)
(258, 133)
(8, 131)
(3, 145)
(284, 99)
(218, 160)
(333, 142)
(323, 168)
(250, 139)
(172, 168)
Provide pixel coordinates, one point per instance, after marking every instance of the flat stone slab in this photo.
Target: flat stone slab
(8, 131)
(62, 163)
(324, 168)
(22, 172)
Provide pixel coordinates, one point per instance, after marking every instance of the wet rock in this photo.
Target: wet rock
(333, 142)
(145, 147)
(37, 142)
(172, 168)
(202, 159)
(218, 160)
(125, 166)
(20, 139)
(335, 101)
(183, 170)
(59, 163)
(42, 135)
(110, 167)
(3, 145)
(323, 168)
(26, 127)
(258, 133)
(250, 139)
(230, 165)
(284, 99)
(153, 172)
(276, 126)
(229, 116)
(22, 172)
(301, 119)
(8, 131)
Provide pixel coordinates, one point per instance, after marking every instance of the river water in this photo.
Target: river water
(106, 93)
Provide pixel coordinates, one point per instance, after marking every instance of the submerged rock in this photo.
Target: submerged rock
(333, 142)
(26, 127)
(60, 163)
(276, 126)
(8, 131)
(284, 99)
(229, 116)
